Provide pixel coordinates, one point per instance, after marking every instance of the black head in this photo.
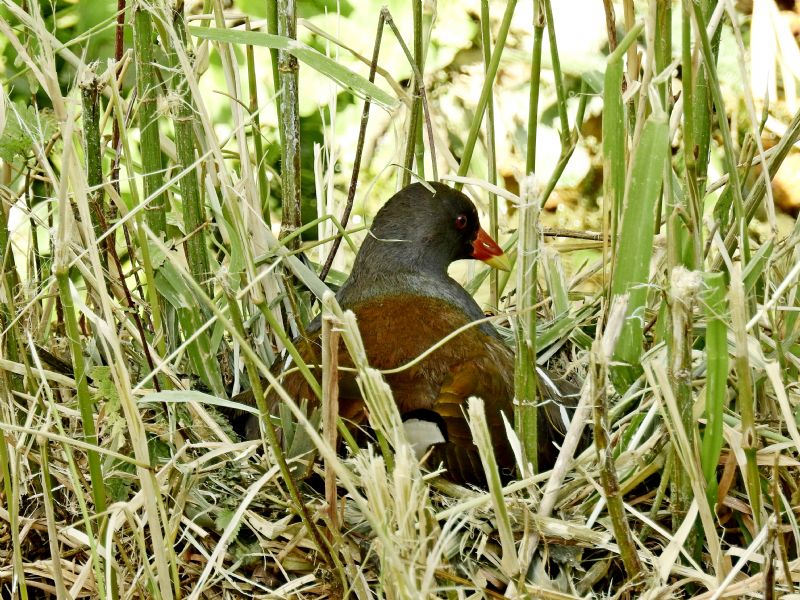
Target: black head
(419, 230)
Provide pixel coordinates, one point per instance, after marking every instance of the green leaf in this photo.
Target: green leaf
(305, 8)
(613, 142)
(635, 249)
(757, 265)
(23, 124)
(171, 285)
(316, 60)
(716, 377)
(594, 79)
(224, 518)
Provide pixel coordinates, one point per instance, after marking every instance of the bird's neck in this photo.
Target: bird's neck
(383, 256)
(375, 282)
(370, 284)
(387, 268)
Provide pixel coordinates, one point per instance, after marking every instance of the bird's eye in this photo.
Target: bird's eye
(461, 221)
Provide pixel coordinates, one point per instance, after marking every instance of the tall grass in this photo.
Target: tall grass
(134, 309)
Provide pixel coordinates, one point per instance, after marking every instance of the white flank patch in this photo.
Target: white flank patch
(421, 435)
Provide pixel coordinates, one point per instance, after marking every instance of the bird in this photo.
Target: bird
(405, 302)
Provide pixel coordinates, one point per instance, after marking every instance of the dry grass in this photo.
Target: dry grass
(191, 511)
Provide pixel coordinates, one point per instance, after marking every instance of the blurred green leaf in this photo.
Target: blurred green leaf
(316, 60)
(305, 8)
(23, 124)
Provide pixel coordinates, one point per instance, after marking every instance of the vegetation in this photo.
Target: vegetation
(163, 167)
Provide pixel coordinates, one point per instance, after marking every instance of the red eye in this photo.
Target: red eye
(461, 221)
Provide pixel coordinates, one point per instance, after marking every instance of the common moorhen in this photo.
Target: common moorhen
(405, 302)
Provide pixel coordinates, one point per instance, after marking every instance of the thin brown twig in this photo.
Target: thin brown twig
(420, 86)
(571, 233)
(330, 408)
(112, 253)
(385, 18)
(119, 44)
(611, 25)
(362, 133)
(116, 144)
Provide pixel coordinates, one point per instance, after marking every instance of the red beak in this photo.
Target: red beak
(486, 249)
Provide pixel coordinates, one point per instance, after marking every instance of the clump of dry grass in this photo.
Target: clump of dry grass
(121, 476)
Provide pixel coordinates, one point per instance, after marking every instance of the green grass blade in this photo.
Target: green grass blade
(716, 378)
(636, 241)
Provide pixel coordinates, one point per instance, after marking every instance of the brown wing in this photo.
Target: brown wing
(557, 397)
(297, 444)
(489, 377)
(298, 388)
(474, 363)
